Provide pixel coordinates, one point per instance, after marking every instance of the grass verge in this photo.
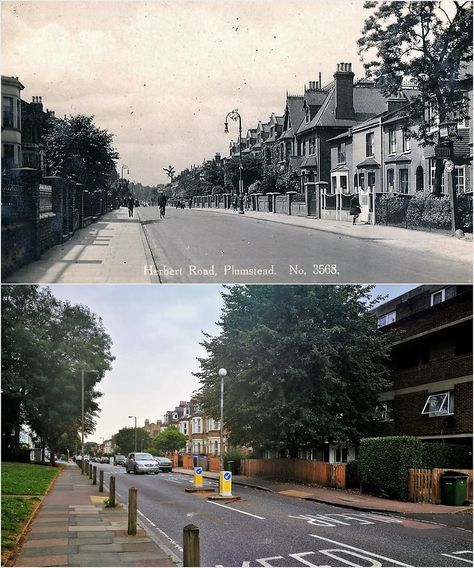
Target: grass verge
(23, 487)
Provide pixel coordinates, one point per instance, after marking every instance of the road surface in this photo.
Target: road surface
(267, 529)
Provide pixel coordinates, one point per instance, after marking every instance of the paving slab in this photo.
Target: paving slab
(70, 529)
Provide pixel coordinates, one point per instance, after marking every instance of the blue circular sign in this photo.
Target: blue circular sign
(198, 470)
(227, 475)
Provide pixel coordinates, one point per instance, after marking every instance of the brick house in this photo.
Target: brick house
(431, 361)
(11, 122)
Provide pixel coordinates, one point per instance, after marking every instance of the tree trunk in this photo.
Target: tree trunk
(437, 182)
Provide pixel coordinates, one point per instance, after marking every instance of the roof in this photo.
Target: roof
(295, 162)
(346, 134)
(288, 134)
(294, 104)
(309, 162)
(316, 98)
(368, 163)
(340, 168)
(398, 158)
(271, 139)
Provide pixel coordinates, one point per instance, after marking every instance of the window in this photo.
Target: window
(341, 153)
(406, 140)
(392, 141)
(390, 179)
(369, 144)
(333, 183)
(7, 112)
(213, 424)
(371, 179)
(459, 172)
(341, 455)
(216, 448)
(197, 426)
(184, 428)
(384, 411)
(442, 295)
(362, 181)
(387, 319)
(403, 177)
(432, 116)
(343, 182)
(439, 404)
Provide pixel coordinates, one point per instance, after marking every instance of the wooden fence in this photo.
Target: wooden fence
(424, 484)
(307, 471)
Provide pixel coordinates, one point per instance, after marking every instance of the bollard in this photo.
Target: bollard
(132, 511)
(191, 552)
(101, 481)
(112, 491)
(94, 476)
(90, 471)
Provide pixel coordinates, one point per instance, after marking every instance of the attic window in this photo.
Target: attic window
(439, 404)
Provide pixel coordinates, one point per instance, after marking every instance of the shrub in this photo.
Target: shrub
(437, 212)
(464, 208)
(384, 462)
(352, 474)
(233, 455)
(391, 209)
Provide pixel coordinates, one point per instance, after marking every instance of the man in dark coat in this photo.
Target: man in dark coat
(355, 208)
(131, 205)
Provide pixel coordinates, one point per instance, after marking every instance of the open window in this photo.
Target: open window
(439, 404)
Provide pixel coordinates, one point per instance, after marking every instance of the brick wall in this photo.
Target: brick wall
(18, 246)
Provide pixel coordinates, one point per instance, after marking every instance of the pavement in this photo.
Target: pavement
(336, 497)
(74, 528)
(111, 250)
(444, 244)
(114, 249)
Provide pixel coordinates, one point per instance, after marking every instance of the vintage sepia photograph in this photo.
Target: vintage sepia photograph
(233, 141)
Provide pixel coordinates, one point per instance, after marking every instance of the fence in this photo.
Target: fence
(306, 471)
(424, 484)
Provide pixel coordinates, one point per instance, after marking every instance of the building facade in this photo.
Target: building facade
(11, 123)
(431, 364)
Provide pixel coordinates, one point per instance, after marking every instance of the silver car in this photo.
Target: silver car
(141, 462)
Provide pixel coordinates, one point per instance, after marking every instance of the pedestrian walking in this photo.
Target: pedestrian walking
(131, 205)
(234, 202)
(162, 204)
(355, 209)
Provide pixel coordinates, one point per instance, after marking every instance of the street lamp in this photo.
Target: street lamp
(83, 372)
(135, 434)
(124, 167)
(222, 374)
(234, 115)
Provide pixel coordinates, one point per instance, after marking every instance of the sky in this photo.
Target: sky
(156, 331)
(162, 75)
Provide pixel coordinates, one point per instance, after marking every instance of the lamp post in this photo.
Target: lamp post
(124, 167)
(222, 374)
(135, 434)
(448, 131)
(83, 372)
(234, 115)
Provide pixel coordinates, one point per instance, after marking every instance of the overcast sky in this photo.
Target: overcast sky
(156, 332)
(162, 75)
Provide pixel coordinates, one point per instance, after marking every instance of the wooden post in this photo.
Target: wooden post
(90, 470)
(94, 475)
(101, 481)
(112, 491)
(191, 554)
(132, 511)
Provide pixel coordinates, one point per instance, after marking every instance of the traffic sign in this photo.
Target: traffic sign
(448, 166)
(199, 470)
(225, 484)
(227, 475)
(198, 480)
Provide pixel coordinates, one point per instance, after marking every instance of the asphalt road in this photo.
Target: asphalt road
(267, 529)
(206, 247)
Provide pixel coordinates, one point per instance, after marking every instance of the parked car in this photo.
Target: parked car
(141, 462)
(164, 464)
(119, 459)
(104, 459)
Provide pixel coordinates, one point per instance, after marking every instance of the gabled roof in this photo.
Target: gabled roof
(368, 163)
(315, 98)
(346, 134)
(398, 158)
(294, 110)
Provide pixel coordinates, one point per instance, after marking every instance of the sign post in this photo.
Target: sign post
(225, 484)
(198, 479)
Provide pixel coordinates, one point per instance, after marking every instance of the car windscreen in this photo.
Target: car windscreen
(143, 457)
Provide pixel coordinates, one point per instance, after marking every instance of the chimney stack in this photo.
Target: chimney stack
(396, 102)
(344, 81)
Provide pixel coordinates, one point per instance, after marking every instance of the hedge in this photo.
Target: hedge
(384, 462)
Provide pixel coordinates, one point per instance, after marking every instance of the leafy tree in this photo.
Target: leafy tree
(305, 365)
(287, 181)
(212, 175)
(125, 440)
(429, 43)
(169, 440)
(45, 345)
(75, 147)
(251, 171)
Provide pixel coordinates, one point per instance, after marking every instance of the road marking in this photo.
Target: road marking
(161, 532)
(302, 560)
(236, 510)
(361, 550)
(469, 561)
(264, 561)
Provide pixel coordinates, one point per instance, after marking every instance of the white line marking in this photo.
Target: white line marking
(162, 532)
(300, 558)
(459, 557)
(263, 561)
(149, 520)
(236, 510)
(361, 550)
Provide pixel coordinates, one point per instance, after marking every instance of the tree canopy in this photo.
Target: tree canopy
(45, 345)
(169, 440)
(304, 363)
(428, 43)
(75, 147)
(125, 440)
